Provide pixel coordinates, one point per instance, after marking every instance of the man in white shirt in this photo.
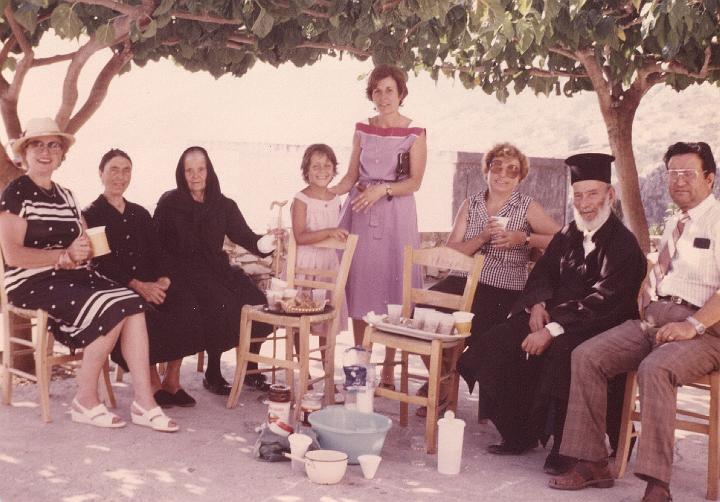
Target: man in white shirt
(677, 341)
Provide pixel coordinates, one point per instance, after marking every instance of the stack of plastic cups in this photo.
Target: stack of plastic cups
(450, 443)
(366, 395)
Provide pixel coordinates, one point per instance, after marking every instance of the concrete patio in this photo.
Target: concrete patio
(211, 457)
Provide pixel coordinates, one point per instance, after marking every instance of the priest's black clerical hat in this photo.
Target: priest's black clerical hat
(589, 166)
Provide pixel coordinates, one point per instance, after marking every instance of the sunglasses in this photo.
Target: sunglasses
(511, 171)
(52, 146)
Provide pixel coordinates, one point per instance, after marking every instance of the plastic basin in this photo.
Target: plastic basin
(350, 431)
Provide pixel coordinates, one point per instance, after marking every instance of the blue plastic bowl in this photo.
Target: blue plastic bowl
(350, 431)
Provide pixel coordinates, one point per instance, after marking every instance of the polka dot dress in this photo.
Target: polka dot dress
(81, 304)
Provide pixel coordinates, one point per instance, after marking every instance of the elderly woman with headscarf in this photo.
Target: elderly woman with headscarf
(192, 222)
(46, 251)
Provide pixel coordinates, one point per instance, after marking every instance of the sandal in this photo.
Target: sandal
(99, 416)
(153, 418)
(656, 493)
(583, 475)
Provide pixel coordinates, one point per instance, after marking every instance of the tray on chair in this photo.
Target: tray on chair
(380, 322)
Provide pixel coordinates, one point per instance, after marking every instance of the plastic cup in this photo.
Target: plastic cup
(394, 313)
(463, 321)
(299, 444)
(319, 296)
(289, 293)
(447, 322)
(277, 284)
(273, 297)
(502, 221)
(419, 316)
(432, 321)
(98, 241)
(369, 465)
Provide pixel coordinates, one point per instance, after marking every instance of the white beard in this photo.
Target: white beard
(595, 223)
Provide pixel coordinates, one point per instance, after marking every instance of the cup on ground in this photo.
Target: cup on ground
(394, 313)
(463, 321)
(299, 444)
(98, 241)
(369, 465)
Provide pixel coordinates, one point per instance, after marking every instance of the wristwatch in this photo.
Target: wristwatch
(699, 327)
(388, 192)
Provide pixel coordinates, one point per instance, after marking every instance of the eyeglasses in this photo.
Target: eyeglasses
(511, 171)
(686, 174)
(52, 146)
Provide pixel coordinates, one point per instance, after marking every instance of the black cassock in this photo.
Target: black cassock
(527, 398)
(174, 328)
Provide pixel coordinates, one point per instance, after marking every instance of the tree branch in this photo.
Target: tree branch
(309, 12)
(70, 84)
(564, 52)
(595, 74)
(205, 18)
(11, 94)
(8, 46)
(679, 69)
(52, 59)
(243, 40)
(539, 72)
(128, 10)
(99, 89)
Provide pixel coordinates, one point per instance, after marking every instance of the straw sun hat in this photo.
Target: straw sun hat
(38, 127)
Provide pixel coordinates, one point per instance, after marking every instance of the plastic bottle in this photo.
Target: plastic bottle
(450, 443)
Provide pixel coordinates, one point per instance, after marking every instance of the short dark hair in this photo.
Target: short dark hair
(111, 154)
(701, 149)
(307, 156)
(383, 71)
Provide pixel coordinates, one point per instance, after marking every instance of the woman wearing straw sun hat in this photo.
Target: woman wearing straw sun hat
(46, 252)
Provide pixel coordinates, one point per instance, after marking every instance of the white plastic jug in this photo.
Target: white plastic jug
(450, 443)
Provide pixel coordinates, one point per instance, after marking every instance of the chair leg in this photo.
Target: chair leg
(303, 364)
(454, 380)
(201, 361)
(404, 387)
(433, 395)
(329, 363)
(626, 425)
(108, 396)
(7, 377)
(241, 364)
(290, 337)
(119, 373)
(43, 368)
(713, 440)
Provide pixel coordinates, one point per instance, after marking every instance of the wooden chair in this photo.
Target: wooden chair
(686, 420)
(299, 326)
(18, 322)
(444, 258)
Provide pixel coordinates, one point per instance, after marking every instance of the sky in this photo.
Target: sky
(252, 125)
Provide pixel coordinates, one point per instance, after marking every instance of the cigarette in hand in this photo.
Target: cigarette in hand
(527, 356)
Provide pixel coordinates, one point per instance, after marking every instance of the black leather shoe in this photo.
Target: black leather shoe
(183, 399)
(556, 464)
(219, 387)
(257, 382)
(508, 449)
(164, 399)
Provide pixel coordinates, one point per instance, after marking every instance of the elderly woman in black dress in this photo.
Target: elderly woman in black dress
(173, 317)
(45, 250)
(192, 222)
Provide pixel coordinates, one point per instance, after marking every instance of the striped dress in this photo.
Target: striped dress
(81, 304)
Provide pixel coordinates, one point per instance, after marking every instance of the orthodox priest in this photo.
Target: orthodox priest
(586, 282)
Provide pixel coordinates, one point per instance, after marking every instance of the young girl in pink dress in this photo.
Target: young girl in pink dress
(315, 214)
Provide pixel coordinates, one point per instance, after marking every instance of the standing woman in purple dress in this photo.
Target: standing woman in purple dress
(381, 207)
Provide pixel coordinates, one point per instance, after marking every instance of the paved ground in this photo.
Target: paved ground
(211, 458)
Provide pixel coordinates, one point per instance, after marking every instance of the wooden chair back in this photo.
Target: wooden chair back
(298, 277)
(442, 258)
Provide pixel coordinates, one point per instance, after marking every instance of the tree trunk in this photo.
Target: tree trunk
(619, 123)
(8, 170)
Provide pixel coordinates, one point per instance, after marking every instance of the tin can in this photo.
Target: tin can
(279, 404)
(310, 403)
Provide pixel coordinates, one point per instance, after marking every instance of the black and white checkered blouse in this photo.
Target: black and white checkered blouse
(503, 268)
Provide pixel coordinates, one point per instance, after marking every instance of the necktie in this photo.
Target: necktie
(660, 269)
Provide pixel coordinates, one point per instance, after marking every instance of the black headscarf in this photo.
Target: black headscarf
(212, 184)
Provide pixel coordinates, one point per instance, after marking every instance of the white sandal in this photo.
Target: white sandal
(154, 418)
(99, 416)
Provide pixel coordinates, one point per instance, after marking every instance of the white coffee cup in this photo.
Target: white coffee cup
(394, 313)
(502, 221)
(369, 465)
(98, 241)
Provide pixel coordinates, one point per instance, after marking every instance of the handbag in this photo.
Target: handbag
(403, 166)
